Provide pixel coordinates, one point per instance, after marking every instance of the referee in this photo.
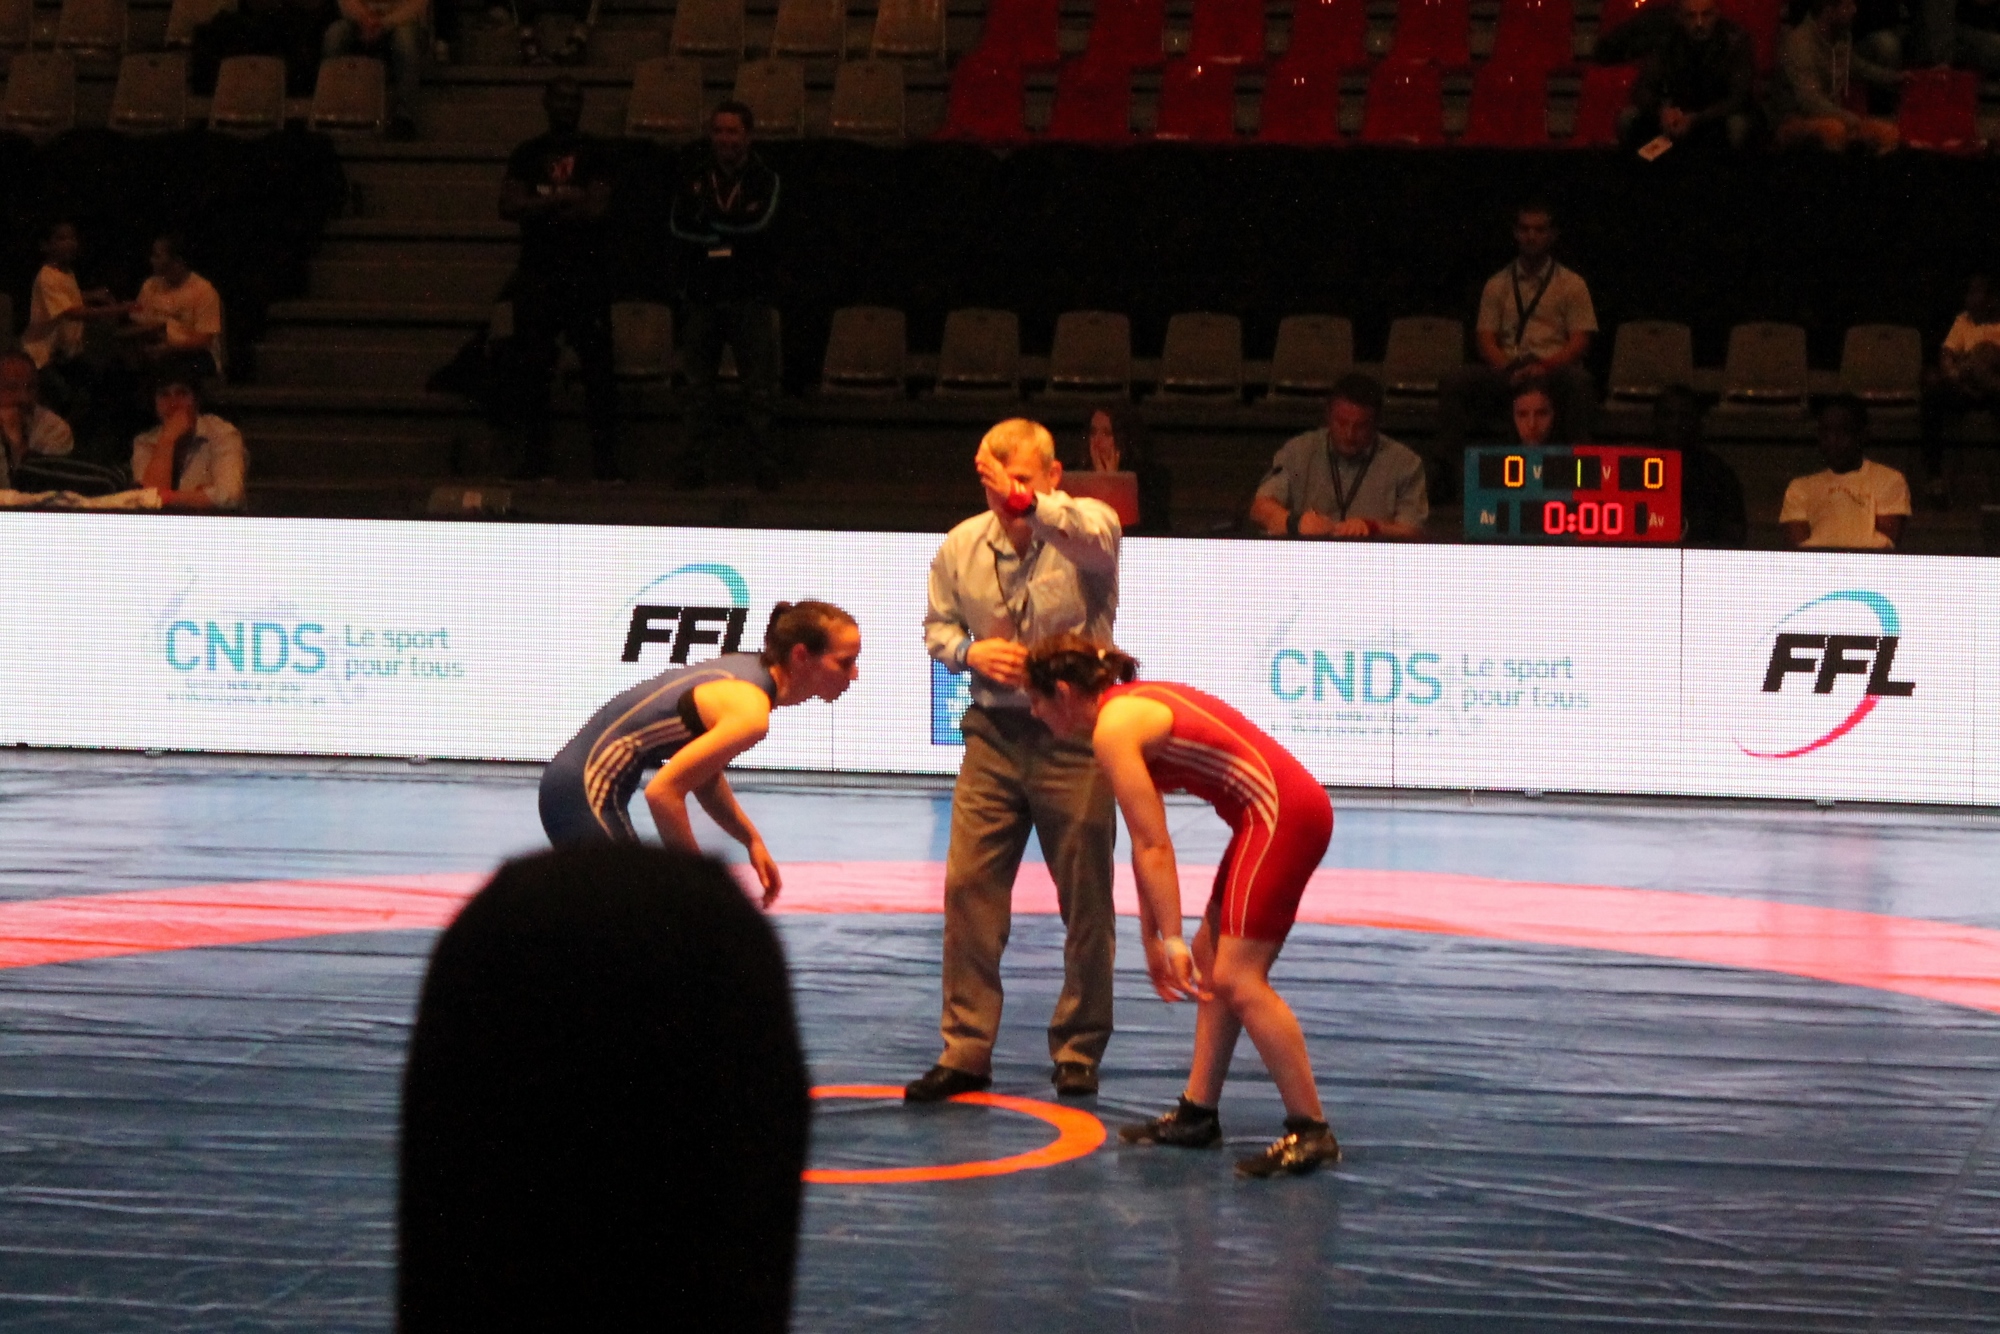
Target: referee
(1037, 563)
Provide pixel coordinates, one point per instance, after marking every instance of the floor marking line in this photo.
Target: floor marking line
(1078, 1134)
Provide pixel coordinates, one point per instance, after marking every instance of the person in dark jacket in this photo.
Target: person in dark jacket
(1712, 510)
(721, 219)
(1116, 440)
(1697, 88)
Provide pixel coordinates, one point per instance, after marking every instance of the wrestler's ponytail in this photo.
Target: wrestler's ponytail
(1072, 658)
(808, 623)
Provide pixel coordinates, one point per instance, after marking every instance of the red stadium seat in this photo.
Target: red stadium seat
(1535, 34)
(1197, 102)
(1614, 14)
(1762, 20)
(988, 102)
(1093, 104)
(1023, 32)
(1328, 35)
(1437, 31)
(1405, 106)
(1301, 105)
(1509, 108)
(1940, 111)
(1228, 32)
(1606, 91)
(1127, 33)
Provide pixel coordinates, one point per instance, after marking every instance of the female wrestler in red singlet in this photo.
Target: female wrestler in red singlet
(1152, 737)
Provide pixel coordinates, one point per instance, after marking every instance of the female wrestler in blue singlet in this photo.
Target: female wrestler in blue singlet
(692, 721)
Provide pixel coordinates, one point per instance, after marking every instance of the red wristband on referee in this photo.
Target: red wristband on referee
(1020, 500)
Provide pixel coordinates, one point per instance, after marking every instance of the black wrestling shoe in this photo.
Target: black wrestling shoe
(941, 1082)
(1186, 1125)
(1305, 1146)
(1074, 1079)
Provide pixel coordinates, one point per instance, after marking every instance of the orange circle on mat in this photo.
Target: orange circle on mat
(1077, 1133)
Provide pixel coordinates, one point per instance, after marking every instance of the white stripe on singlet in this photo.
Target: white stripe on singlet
(608, 759)
(1251, 785)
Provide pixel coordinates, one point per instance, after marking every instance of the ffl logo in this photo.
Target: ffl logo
(686, 629)
(1827, 658)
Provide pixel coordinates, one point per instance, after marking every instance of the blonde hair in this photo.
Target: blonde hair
(1018, 433)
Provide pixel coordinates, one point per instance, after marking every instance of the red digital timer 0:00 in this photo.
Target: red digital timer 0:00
(1633, 494)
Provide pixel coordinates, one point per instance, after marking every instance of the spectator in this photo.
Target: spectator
(394, 31)
(57, 311)
(1967, 377)
(1345, 479)
(1712, 509)
(1119, 442)
(605, 1107)
(1534, 413)
(721, 216)
(1696, 89)
(191, 460)
(1535, 322)
(1812, 88)
(178, 316)
(558, 188)
(1856, 502)
(27, 428)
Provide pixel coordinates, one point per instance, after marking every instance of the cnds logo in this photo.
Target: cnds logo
(709, 606)
(1820, 663)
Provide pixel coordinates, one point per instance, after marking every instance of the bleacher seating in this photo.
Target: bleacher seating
(1301, 105)
(1435, 32)
(1883, 365)
(642, 340)
(17, 24)
(810, 29)
(1328, 35)
(667, 102)
(1023, 32)
(1766, 369)
(988, 102)
(1940, 111)
(1228, 32)
(1535, 34)
(1093, 104)
(1092, 355)
(775, 92)
(1405, 106)
(909, 30)
(1764, 21)
(1605, 91)
(1197, 102)
(151, 95)
(1129, 34)
(41, 94)
(249, 96)
(865, 353)
(1646, 357)
(869, 101)
(184, 16)
(1509, 108)
(1422, 350)
(710, 28)
(980, 356)
(351, 96)
(1203, 358)
(94, 28)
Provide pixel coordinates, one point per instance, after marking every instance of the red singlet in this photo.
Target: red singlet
(1281, 816)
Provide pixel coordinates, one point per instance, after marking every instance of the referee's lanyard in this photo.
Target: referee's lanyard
(1341, 495)
(1018, 616)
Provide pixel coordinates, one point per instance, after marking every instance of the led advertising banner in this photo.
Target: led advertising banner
(1798, 675)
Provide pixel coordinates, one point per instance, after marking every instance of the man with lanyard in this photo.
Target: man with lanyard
(1345, 479)
(1536, 321)
(1035, 563)
(721, 219)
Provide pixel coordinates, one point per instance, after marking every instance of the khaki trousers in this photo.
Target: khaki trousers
(1017, 776)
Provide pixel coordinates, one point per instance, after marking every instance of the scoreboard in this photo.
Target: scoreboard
(1573, 493)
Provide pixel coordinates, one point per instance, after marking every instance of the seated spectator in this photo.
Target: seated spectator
(394, 31)
(1345, 479)
(58, 309)
(1967, 377)
(1696, 89)
(1535, 322)
(1118, 442)
(1812, 90)
(1856, 503)
(192, 459)
(27, 429)
(559, 1171)
(178, 316)
(1534, 413)
(1712, 509)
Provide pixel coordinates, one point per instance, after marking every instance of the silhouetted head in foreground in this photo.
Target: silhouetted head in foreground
(605, 1111)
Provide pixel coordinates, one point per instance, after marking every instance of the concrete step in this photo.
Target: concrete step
(489, 231)
(433, 191)
(447, 315)
(360, 360)
(291, 455)
(506, 114)
(431, 281)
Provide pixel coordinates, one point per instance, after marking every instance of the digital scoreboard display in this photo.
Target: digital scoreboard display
(1573, 493)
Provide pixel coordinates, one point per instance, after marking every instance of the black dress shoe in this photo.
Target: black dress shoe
(1074, 1079)
(941, 1082)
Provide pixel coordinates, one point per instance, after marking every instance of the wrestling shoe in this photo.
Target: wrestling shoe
(1074, 1079)
(941, 1082)
(1186, 1125)
(1306, 1144)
